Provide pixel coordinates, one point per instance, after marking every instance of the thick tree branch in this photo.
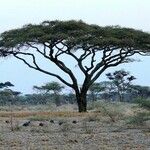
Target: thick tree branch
(59, 63)
(110, 62)
(36, 67)
(92, 61)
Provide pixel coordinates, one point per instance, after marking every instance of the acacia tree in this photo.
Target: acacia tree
(103, 47)
(121, 79)
(5, 94)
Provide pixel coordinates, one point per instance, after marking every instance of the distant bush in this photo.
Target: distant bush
(139, 118)
(144, 103)
(112, 110)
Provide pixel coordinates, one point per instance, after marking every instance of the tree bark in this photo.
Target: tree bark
(120, 96)
(82, 102)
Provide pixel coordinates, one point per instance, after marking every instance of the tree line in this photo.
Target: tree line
(119, 87)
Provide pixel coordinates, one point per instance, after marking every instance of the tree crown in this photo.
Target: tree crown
(51, 86)
(74, 34)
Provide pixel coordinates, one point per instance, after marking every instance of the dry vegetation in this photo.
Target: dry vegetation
(106, 127)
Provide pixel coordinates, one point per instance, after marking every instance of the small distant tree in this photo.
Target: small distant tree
(53, 87)
(122, 81)
(5, 94)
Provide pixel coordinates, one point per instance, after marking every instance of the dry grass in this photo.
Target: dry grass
(22, 114)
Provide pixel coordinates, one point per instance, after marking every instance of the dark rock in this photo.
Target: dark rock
(26, 124)
(41, 124)
(60, 123)
(74, 121)
(7, 121)
(51, 121)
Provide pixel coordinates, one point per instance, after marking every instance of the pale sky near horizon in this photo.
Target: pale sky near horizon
(16, 13)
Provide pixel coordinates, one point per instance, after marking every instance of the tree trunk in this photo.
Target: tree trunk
(120, 97)
(82, 102)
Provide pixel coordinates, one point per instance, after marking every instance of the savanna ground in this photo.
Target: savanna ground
(105, 127)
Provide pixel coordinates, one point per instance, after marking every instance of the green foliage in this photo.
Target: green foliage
(76, 32)
(5, 85)
(51, 86)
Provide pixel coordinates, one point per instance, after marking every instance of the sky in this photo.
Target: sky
(126, 13)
